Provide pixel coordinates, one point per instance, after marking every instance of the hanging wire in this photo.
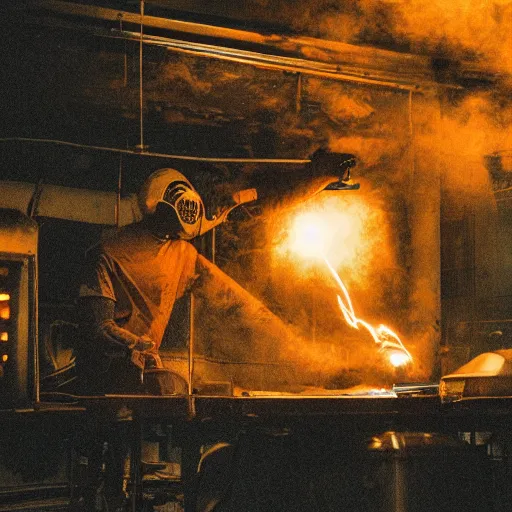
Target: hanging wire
(141, 92)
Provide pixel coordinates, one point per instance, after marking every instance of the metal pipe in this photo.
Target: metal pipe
(118, 196)
(191, 335)
(213, 243)
(280, 63)
(355, 59)
(35, 327)
(298, 97)
(161, 155)
(125, 56)
(411, 134)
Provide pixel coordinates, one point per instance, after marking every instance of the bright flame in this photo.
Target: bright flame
(5, 310)
(398, 359)
(344, 231)
(310, 235)
(387, 340)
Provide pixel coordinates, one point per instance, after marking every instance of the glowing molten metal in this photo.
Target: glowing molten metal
(311, 240)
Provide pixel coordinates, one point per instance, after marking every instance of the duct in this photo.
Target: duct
(80, 205)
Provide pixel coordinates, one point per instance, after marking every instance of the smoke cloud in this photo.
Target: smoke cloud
(470, 28)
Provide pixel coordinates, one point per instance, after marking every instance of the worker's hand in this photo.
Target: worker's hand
(145, 344)
(326, 162)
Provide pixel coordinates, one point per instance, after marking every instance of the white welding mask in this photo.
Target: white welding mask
(172, 188)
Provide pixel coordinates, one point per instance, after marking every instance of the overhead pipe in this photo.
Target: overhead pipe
(342, 61)
(293, 161)
(276, 62)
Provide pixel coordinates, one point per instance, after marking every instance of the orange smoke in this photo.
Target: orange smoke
(484, 27)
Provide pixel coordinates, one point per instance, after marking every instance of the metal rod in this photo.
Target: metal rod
(214, 242)
(502, 190)
(298, 97)
(119, 184)
(125, 55)
(191, 335)
(33, 268)
(412, 147)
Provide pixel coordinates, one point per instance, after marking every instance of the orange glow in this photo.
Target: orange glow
(383, 336)
(470, 24)
(5, 357)
(348, 232)
(4, 336)
(345, 230)
(5, 309)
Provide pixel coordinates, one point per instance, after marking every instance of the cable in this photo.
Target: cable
(160, 155)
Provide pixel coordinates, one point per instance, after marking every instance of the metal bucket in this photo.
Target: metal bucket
(161, 381)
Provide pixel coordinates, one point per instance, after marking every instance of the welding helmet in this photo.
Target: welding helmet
(170, 188)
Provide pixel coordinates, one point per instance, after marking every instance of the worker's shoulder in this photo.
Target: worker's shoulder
(126, 236)
(111, 239)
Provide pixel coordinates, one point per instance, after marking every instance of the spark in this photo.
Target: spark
(387, 340)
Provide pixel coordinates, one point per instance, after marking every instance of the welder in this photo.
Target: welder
(133, 279)
(131, 283)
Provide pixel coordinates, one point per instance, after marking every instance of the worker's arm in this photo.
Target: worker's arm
(97, 321)
(97, 307)
(325, 169)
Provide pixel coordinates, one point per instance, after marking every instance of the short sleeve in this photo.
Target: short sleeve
(97, 276)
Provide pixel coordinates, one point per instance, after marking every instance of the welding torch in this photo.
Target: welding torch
(339, 164)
